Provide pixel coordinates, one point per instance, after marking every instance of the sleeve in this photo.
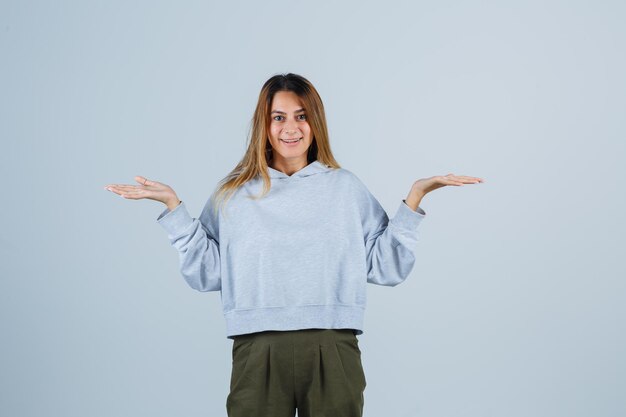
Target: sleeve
(197, 243)
(390, 245)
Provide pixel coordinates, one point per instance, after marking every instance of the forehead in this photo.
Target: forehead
(286, 101)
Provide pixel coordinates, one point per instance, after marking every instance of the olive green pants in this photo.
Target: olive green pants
(315, 371)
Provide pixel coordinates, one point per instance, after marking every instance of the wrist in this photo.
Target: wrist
(172, 204)
(413, 201)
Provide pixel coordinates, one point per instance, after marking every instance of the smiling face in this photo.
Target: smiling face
(288, 122)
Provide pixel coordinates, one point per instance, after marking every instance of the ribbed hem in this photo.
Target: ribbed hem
(175, 222)
(294, 318)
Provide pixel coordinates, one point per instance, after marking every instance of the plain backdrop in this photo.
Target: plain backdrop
(516, 304)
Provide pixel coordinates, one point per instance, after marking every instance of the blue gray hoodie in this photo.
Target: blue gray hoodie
(298, 258)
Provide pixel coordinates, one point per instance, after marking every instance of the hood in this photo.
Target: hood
(311, 169)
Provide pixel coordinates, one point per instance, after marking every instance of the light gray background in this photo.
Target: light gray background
(516, 303)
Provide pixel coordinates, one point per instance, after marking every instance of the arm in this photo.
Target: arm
(197, 245)
(389, 244)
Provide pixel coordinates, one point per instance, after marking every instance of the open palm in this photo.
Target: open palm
(426, 185)
(152, 190)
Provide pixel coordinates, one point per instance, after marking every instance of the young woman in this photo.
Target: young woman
(290, 239)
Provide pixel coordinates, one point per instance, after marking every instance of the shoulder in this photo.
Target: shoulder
(352, 179)
(346, 175)
(353, 185)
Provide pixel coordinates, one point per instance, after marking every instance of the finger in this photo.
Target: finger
(449, 181)
(117, 191)
(126, 187)
(136, 191)
(132, 196)
(468, 178)
(116, 185)
(446, 179)
(111, 188)
(143, 180)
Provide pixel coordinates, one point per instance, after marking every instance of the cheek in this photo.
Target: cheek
(274, 131)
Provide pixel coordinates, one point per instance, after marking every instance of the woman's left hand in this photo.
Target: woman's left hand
(425, 185)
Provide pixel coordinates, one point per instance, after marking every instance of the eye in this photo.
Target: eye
(276, 117)
(303, 116)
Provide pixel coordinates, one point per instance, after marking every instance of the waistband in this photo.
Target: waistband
(297, 336)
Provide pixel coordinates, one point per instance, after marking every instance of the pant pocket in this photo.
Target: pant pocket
(350, 356)
(240, 355)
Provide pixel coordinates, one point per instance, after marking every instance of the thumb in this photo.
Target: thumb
(143, 180)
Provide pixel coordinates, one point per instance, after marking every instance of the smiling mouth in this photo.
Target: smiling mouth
(290, 141)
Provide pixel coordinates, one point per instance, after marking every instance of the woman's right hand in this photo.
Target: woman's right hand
(152, 190)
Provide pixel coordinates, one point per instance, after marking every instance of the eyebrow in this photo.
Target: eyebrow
(282, 112)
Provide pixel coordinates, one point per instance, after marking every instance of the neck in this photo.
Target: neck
(288, 166)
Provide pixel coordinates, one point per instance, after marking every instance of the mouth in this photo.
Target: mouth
(290, 140)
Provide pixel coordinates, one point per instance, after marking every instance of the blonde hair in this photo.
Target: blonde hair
(259, 153)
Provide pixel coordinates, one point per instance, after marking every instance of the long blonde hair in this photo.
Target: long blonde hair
(259, 153)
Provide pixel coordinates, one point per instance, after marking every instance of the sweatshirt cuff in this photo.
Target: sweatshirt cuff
(407, 218)
(175, 221)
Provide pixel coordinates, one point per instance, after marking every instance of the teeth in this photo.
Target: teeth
(290, 141)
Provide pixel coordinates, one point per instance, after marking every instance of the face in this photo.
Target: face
(288, 121)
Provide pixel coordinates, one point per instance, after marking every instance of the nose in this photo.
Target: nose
(290, 128)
